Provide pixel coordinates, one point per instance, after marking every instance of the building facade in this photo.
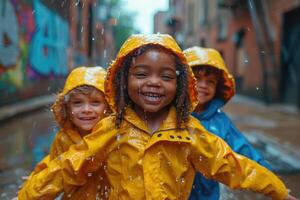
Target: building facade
(258, 40)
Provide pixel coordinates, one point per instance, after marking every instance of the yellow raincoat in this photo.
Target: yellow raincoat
(158, 166)
(67, 136)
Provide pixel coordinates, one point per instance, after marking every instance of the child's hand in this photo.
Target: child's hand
(290, 197)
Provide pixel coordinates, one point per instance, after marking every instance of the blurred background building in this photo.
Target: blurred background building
(259, 40)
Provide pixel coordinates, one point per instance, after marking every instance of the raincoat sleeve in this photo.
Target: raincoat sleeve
(72, 167)
(214, 159)
(238, 142)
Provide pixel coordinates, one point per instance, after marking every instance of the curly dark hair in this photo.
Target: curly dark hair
(208, 70)
(120, 82)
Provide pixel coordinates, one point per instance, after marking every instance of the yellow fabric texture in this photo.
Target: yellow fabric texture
(92, 76)
(143, 166)
(200, 56)
(161, 166)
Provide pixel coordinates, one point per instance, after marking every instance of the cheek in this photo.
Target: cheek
(100, 110)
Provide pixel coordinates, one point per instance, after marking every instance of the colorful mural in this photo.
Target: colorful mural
(33, 46)
(49, 43)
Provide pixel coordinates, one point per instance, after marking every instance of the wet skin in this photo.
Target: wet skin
(87, 110)
(152, 85)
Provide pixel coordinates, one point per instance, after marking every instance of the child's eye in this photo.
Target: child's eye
(140, 75)
(167, 77)
(212, 82)
(96, 103)
(76, 103)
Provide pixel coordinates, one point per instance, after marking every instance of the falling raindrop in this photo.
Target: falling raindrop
(246, 60)
(262, 52)
(33, 12)
(102, 31)
(77, 3)
(104, 53)
(257, 88)
(81, 29)
(177, 72)
(93, 38)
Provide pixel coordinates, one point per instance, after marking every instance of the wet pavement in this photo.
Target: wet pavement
(24, 140)
(274, 130)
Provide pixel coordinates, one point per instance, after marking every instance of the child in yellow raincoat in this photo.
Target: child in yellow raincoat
(151, 147)
(77, 109)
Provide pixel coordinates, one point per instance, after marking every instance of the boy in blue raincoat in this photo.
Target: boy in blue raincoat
(215, 87)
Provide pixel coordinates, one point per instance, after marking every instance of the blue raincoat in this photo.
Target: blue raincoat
(217, 122)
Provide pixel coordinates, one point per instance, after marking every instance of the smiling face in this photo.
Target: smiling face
(206, 86)
(87, 110)
(152, 81)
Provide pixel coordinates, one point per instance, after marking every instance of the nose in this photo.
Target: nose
(202, 83)
(154, 81)
(87, 107)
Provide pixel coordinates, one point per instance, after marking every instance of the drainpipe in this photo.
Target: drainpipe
(259, 35)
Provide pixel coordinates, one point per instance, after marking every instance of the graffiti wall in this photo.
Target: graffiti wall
(34, 42)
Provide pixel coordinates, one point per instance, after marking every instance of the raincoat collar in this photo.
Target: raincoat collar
(74, 135)
(210, 109)
(168, 124)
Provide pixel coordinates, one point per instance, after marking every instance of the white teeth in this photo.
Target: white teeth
(152, 95)
(153, 98)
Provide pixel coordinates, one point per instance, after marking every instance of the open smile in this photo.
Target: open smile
(152, 98)
(87, 118)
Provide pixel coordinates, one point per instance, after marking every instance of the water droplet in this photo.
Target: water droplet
(182, 180)
(200, 158)
(118, 137)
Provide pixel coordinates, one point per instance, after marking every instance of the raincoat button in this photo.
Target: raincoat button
(178, 136)
(172, 137)
(159, 135)
(187, 138)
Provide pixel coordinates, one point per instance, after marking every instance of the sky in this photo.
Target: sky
(145, 10)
